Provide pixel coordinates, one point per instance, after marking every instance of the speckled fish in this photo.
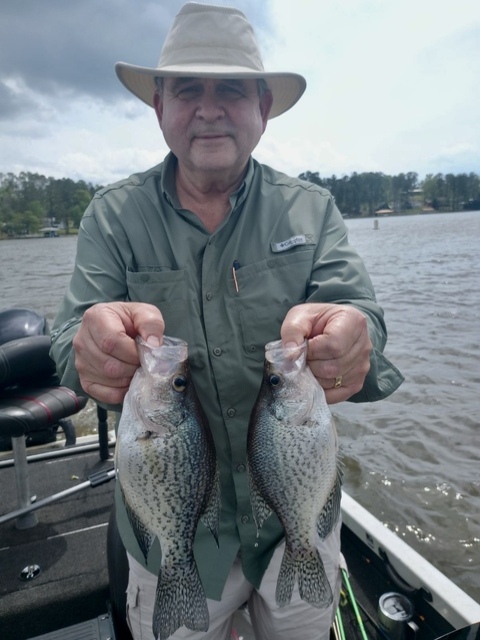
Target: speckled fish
(167, 470)
(294, 469)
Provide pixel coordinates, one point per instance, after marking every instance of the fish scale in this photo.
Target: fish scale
(169, 478)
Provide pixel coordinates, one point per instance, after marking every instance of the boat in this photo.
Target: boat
(63, 566)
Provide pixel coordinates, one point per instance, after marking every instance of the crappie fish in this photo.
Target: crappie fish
(168, 473)
(294, 469)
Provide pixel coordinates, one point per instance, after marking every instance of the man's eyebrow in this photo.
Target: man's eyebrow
(179, 82)
(237, 82)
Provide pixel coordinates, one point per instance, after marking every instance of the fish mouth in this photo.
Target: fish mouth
(164, 360)
(286, 359)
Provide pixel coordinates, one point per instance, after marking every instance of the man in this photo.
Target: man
(212, 247)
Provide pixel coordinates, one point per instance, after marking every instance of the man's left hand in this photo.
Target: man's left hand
(338, 345)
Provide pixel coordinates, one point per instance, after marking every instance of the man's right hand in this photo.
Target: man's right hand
(105, 351)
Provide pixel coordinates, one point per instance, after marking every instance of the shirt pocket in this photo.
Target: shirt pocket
(266, 291)
(170, 291)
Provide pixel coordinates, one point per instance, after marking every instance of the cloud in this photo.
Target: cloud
(68, 49)
(457, 158)
(391, 85)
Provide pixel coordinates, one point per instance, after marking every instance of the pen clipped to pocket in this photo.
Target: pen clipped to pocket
(235, 267)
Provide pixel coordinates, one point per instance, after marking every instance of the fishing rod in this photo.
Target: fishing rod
(94, 480)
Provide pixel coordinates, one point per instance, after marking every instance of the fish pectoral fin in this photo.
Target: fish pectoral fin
(330, 513)
(211, 515)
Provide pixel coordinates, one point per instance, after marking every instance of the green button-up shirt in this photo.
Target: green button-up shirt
(287, 243)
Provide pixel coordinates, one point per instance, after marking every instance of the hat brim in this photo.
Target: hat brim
(286, 88)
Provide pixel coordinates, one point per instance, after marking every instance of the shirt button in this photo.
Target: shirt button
(209, 295)
(231, 412)
(145, 277)
(252, 348)
(217, 351)
(245, 519)
(241, 469)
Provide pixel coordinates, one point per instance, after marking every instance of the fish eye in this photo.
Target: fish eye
(179, 383)
(274, 380)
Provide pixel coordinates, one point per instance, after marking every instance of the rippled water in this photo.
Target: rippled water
(412, 459)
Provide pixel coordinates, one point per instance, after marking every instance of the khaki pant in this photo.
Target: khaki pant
(297, 621)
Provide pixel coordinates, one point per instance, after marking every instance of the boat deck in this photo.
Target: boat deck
(68, 544)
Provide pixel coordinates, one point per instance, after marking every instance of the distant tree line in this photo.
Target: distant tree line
(29, 202)
(366, 193)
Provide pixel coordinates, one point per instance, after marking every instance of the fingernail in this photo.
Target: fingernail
(153, 341)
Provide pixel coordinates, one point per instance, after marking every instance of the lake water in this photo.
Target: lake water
(413, 459)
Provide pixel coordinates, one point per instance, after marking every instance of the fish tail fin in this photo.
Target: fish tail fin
(313, 584)
(180, 601)
(286, 578)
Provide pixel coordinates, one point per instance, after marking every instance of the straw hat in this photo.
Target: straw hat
(211, 41)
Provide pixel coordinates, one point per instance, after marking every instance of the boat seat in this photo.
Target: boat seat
(31, 400)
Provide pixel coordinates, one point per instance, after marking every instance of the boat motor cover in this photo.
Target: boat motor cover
(26, 361)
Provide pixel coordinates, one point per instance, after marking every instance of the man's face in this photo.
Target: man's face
(212, 126)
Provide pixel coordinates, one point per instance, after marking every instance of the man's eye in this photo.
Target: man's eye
(186, 93)
(228, 90)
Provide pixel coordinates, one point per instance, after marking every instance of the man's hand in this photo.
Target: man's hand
(105, 351)
(338, 345)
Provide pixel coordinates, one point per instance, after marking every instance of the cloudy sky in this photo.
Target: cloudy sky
(393, 85)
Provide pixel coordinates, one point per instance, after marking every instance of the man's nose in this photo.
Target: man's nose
(210, 106)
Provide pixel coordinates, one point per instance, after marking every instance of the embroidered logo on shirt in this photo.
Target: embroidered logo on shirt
(294, 241)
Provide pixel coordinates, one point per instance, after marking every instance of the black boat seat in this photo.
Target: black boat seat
(31, 400)
(25, 409)
(26, 361)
